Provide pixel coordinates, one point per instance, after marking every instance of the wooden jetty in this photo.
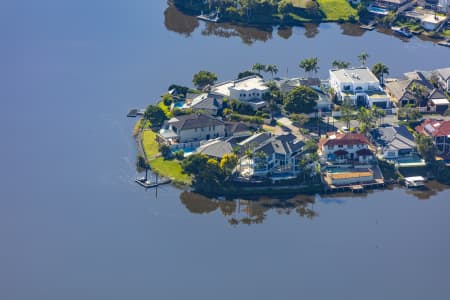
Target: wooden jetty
(146, 183)
(355, 188)
(212, 17)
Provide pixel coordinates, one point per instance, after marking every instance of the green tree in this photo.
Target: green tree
(425, 147)
(155, 115)
(204, 78)
(408, 113)
(420, 93)
(258, 68)
(365, 118)
(378, 113)
(208, 177)
(310, 65)
(165, 151)
(363, 58)
(299, 119)
(247, 73)
(272, 69)
(379, 70)
(347, 113)
(301, 99)
(340, 64)
(228, 163)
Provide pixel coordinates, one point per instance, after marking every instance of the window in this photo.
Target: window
(340, 146)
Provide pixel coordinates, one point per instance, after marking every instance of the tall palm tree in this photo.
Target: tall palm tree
(340, 64)
(258, 68)
(379, 69)
(310, 65)
(363, 58)
(419, 91)
(346, 113)
(272, 69)
(365, 119)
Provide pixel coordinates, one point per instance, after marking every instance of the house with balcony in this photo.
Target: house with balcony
(192, 128)
(402, 91)
(439, 131)
(345, 148)
(249, 89)
(358, 87)
(393, 142)
(276, 156)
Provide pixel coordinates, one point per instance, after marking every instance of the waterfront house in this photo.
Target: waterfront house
(207, 102)
(345, 148)
(237, 129)
(438, 101)
(249, 89)
(393, 142)
(216, 148)
(439, 131)
(392, 4)
(443, 77)
(359, 87)
(192, 127)
(276, 156)
(402, 92)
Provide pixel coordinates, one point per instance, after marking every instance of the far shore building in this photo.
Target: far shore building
(249, 89)
(359, 87)
(192, 128)
(345, 148)
(439, 131)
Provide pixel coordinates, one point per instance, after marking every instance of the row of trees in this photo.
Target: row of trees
(367, 117)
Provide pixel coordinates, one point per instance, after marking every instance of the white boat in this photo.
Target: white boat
(404, 31)
(414, 181)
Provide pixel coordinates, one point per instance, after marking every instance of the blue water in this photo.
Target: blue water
(178, 104)
(379, 10)
(187, 151)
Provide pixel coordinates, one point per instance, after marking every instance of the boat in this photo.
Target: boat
(445, 43)
(370, 26)
(212, 17)
(404, 31)
(414, 182)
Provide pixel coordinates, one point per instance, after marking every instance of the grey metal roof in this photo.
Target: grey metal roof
(193, 121)
(444, 73)
(280, 145)
(216, 148)
(394, 138)
(207, 101)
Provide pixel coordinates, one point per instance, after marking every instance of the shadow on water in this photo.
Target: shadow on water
(311, 30)
(351, 29)
(241, 211)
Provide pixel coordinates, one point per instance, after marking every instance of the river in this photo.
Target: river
(74, 225)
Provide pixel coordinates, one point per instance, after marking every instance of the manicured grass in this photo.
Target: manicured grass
(149, 143)
(171, 169)
(337, 9)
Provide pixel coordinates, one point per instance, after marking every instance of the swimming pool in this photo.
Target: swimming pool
(378, 10)
(187, 151)
(178, 105)
(410, 160)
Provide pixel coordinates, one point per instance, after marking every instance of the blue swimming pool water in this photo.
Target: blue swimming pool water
(409, 160)
(187, 151)
(378, 10)
(178, 104)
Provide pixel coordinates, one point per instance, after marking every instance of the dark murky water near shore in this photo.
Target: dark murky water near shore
(74, 225)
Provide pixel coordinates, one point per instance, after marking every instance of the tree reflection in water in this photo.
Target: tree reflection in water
(249, 212)
(248, 35)
(175, 20)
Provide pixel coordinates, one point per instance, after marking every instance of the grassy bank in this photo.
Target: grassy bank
(171, 169)
(336, 10)
(167, 168)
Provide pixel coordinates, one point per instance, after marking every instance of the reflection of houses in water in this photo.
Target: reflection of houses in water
(248, 212)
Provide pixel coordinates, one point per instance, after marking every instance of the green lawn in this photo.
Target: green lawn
(336, 9)
(166, 109)
(171, 169)
(149, 143)
(300, 3)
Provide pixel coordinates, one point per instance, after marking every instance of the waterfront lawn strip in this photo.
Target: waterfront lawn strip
(171, 169)
(337, 9)
(149, 144)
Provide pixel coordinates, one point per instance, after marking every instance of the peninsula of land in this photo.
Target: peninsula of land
(356, 130)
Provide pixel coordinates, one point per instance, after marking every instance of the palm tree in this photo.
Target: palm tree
(365, 119)
(379, 70)
(340, 64)
(310, 65)
(419, 91)
(363, 58)
(258, 68)
(273, 69)
(346, 113)
(378, 114)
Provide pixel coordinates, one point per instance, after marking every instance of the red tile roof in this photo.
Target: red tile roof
(434, 127)
(344, 139)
